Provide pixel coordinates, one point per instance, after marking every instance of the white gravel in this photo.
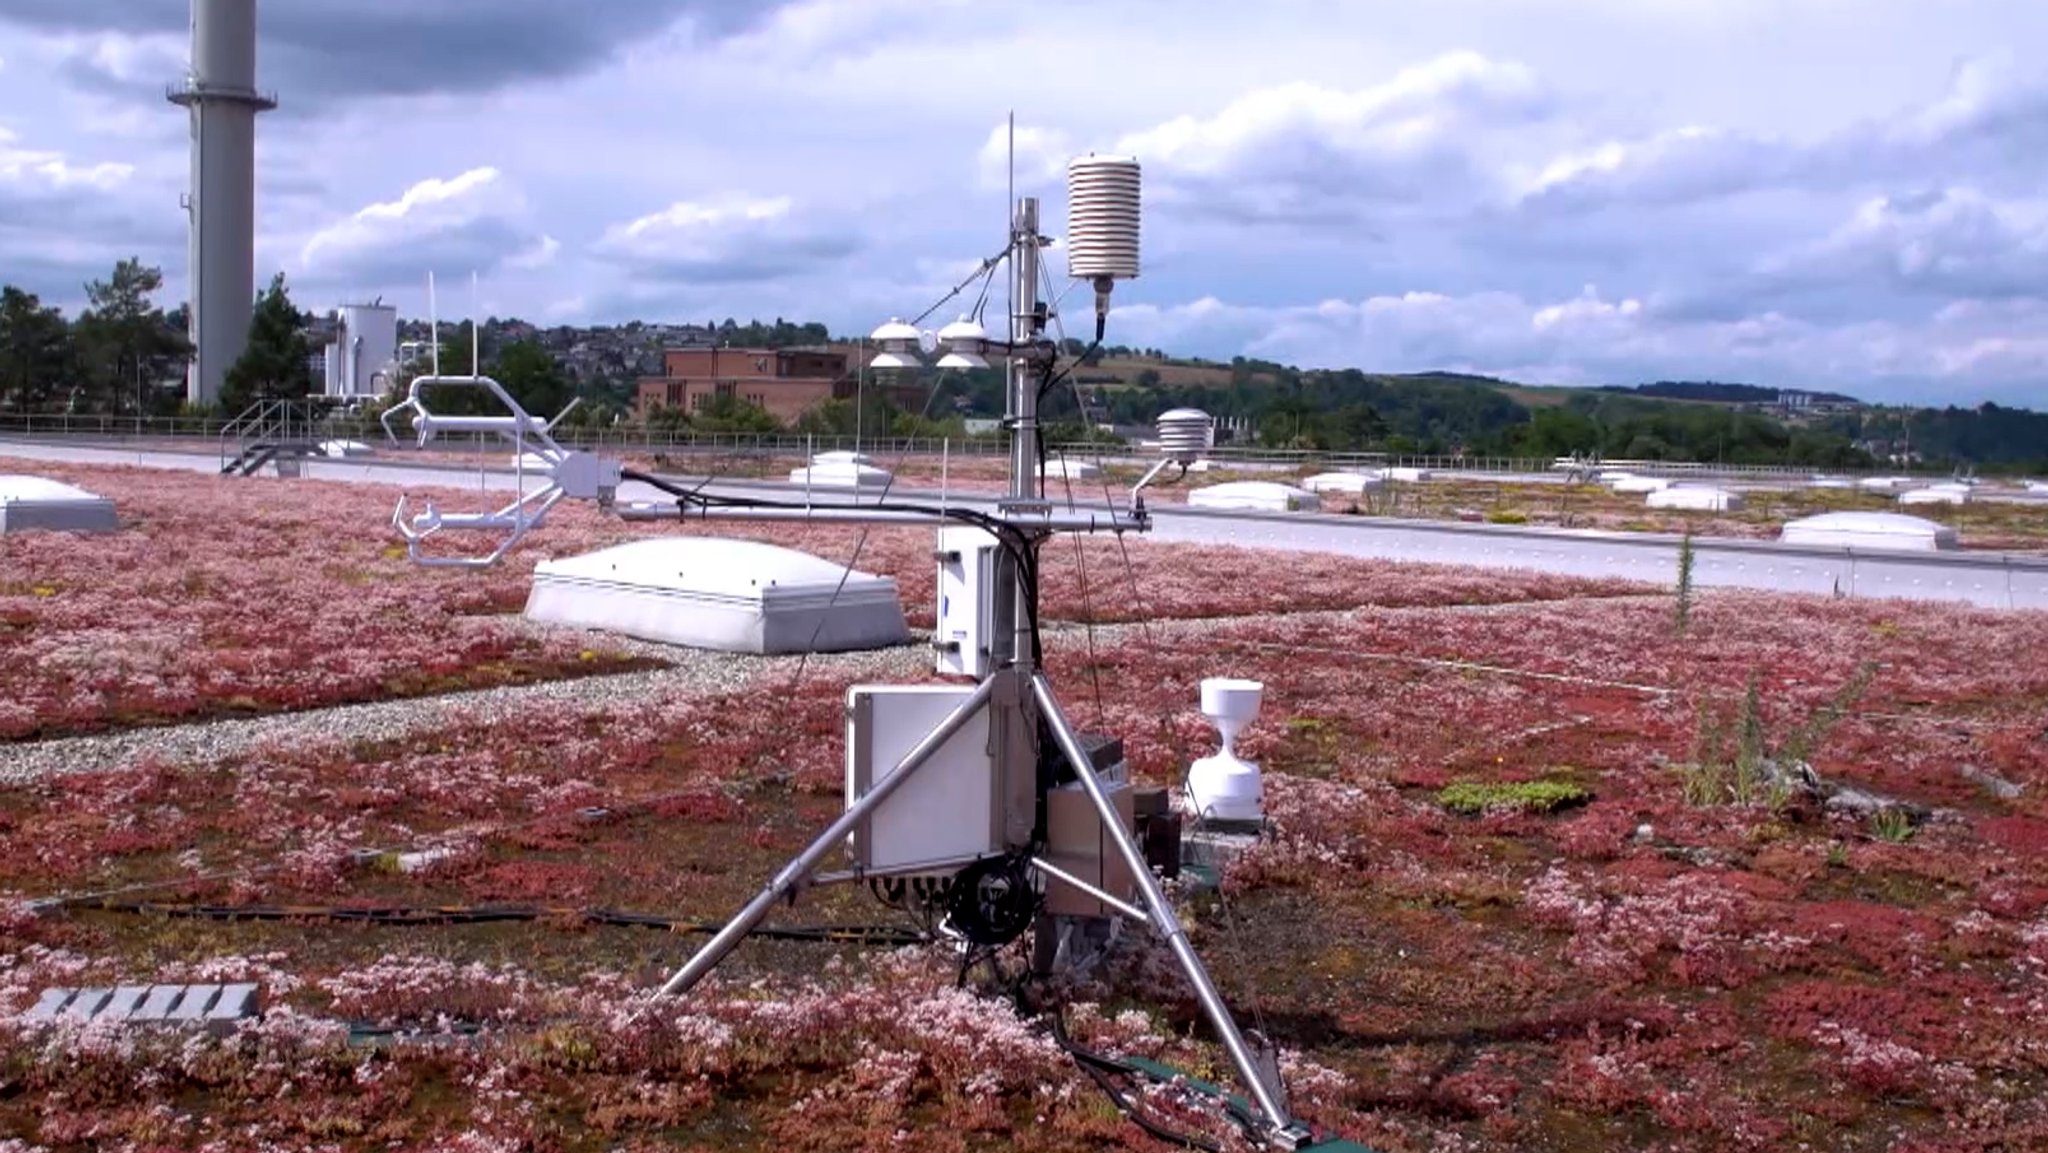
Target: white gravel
(690, 673)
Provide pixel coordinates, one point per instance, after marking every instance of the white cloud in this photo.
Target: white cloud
(541, 255)
(734, 237)
(1309, 153)
(1041, 157)
(32, 171)
(1419, 109)
(475, 221)
(1763, 180)
(1594, 339)
(1951, 242)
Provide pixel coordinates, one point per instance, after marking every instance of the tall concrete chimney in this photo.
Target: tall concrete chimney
(220, 91)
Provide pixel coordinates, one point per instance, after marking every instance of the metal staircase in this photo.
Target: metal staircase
(271, 431)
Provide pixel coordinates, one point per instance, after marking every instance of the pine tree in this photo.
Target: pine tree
(35, 351)
(126, 345)
(274, 365)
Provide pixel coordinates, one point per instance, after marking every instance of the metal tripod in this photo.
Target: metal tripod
(1022, 704)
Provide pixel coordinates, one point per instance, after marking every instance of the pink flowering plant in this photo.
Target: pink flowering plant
(1639, 971)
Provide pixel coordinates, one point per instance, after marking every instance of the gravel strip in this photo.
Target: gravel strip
(1106, 634)
(691, 673)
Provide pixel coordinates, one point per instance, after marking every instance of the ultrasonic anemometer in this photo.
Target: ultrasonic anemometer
(979, 797)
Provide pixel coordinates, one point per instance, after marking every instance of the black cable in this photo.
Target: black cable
(1099, 1068)
(987, 271)
(399, 916)
(1054, 379)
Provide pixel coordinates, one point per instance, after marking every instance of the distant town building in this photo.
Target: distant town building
(785, 382)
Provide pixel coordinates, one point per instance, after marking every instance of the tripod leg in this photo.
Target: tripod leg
(1163, 918)
(794, 873)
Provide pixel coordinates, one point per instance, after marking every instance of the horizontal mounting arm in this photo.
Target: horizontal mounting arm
(855, 514)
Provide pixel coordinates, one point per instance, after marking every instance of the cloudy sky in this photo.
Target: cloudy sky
(1839, 193)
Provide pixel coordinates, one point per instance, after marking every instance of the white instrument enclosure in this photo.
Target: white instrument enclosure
(951, 811)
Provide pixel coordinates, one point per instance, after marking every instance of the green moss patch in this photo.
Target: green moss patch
(1475, 797)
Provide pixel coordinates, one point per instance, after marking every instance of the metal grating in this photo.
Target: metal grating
(172, 1004)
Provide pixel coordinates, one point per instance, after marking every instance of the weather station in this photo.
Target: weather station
(977, 798)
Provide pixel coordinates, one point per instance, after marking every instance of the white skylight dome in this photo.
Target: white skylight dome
(1938, 494)
(1347, 483)
(1403, 475)
(840, 474)
(34, 502)
(1879, 530)
(1255, 496)
(1695, 499)
(713, 593)
(1631, 483)
(1064, 468)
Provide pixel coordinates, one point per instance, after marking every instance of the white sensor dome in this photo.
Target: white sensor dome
(966, 344)
(899, 344)
(1185, 434)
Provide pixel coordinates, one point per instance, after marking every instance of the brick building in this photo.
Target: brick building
(786, 382)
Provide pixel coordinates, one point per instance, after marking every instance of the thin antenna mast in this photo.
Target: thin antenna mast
(1010, 223)
(433, 324)
(474, 346)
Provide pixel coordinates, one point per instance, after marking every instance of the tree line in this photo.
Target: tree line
(1449, 413)
(123, 354)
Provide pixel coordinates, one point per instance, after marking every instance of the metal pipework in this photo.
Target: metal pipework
(1113, 901)
(1024, 323)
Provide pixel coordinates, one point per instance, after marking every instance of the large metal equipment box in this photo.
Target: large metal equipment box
(951, 811)
(1076, 843)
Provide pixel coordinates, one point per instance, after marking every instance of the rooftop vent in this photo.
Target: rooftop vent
(1064, 469)
(1877, 530)
(1628, 482)
(840, 473)
(1695, 499)
(711, 593)
(1255, 496)
(1348, 483)
(32, 502)
(1938, 494)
